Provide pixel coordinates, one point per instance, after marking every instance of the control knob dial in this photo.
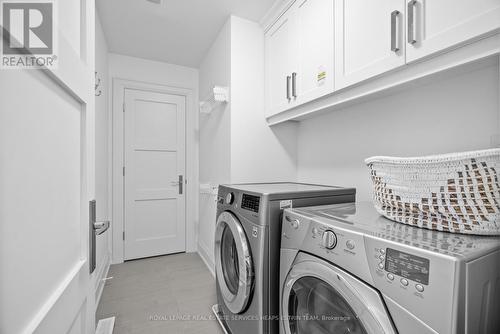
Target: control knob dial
(329, 239)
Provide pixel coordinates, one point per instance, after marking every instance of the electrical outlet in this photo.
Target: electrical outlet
(495, 140)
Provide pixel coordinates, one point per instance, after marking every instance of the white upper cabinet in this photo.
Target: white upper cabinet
(314, 64)
(369, 39)
(436, 25)
(279, 46)
(321, 53)
(299, 55)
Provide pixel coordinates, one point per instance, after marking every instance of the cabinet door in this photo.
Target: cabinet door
(438, 25)
(279, 48)
(363, 37)
(314, 43)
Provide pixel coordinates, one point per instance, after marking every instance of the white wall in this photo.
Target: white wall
(215, 138)
(259, 153)
(236, 144)
(215, 132)
(102, 154)
(457, 114)
(138, 69)
(163, 74)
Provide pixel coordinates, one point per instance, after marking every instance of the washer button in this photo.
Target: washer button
(350, 244)
(419, 287)
(381, 257)
(404, 281)
(390, 276)
(382, 251)
(381, 265)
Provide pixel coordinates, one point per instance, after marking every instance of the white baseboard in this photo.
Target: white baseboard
(105, 326)
(204, 254)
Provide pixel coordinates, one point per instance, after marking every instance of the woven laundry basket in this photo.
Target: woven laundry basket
(457, 192)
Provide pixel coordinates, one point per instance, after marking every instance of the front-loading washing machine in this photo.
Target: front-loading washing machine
(247, 246)
(346, 269)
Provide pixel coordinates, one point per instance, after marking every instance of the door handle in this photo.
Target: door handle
(95, 228)
(179, 184)
(394, 31)
(101, 227)
(411, 22)
(294, 84)
(288, 78)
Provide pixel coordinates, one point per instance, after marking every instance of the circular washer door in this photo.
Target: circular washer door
(233, 263)
(321, 298)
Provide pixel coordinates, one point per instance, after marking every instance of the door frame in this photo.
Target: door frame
(117, 137)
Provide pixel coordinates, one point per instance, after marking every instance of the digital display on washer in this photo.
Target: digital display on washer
(409, 266)
(250, 202)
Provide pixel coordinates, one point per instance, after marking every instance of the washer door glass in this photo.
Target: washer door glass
(315, 307)
(319, 297)
(230, 263)
(233, 263)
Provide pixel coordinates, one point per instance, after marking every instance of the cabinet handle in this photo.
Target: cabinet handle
(288, 78)
(294, 84)
(411, 22)
(394, 31)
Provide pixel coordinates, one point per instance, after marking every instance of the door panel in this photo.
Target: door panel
(363, 39)
(47, 179)
(279, 64)
(154, 159)
(445, 23)
(315, 40)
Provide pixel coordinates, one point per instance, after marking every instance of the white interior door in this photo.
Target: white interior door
(438, 25)
(363, 36)
(46, 183)
(155, 147)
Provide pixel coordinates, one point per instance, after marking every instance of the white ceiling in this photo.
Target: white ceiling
(176, 31)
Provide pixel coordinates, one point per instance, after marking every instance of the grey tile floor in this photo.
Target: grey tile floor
(166, 294)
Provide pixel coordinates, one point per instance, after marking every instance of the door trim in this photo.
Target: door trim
(117, 138)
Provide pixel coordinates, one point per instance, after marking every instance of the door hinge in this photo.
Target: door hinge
(123, 235)
(123, 171)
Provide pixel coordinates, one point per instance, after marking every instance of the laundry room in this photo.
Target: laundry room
(250, 167)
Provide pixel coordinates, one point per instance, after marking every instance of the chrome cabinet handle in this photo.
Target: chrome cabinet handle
(394, 31)
(288, 78)
(411, 22)
(294, 84)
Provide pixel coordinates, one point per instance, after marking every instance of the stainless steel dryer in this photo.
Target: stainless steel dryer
(346, 269)
(247, 244)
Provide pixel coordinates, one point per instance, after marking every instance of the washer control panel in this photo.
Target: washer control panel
(407, 269)
(336, 244)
